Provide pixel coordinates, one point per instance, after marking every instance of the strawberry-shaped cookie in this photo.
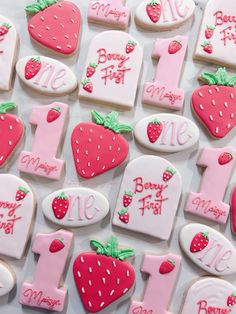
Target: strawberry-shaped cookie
(214, 103)
(60, 205)
(154, 130)
(11, 132)
(98, 147)
(55, 25)
(102, 278)
(199, 242)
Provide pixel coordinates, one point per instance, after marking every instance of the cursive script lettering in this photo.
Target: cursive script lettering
(106, 10)
(204, 308)
(37, 297)
(28, 161)
(207, 207)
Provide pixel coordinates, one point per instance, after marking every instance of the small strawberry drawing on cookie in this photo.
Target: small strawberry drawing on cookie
(168, 174)
(53, 114)
(154, 130)
(4, 29)
(21, 193)
(87, 85)
(91, 69)
(231, 299)
(130, 46)
(174, 47)
(60, 205)
(127, 198)
(225, 158)
(199, 242)
(124, 215)
(207, 47)
(32, 68)
(56, 245)
(153, 9)
(209, 31)
(167, 267)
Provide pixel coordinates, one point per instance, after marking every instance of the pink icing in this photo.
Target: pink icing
(42, 160)
(233, 210)
(44, 291)
(112, 13)
(208, 203)
(164, 91)
(159, 286)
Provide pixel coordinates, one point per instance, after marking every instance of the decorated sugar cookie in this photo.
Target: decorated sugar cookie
(208, 249)
(7, 278)
(42, 160)
(46, 75)
(149, 196)
(11, 132)
(233, 211)
(55, 25)
(98, 146)
(214, 103)
(164, 91)
(162, 15)
(17, 207)
(163, 273)
(166, 133)
(210, 295)
(112, 69)
(111, 13)
(216, 40)
(103, 277)
(45, 291)
(208, 203)
(8, 52)
(75, 207)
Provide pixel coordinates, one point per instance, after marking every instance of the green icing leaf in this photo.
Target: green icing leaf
(5, 107)
(112, 247)
(222, 76)
(125, 253)
(97, 117)
(39, 6)
(209, 78)
(121, 128)
(232, 81)
(99, 246)
(219, 78)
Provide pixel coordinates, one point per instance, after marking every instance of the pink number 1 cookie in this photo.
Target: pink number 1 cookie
(109, 12)
(216, 41)
(8, 52)
(164, 91)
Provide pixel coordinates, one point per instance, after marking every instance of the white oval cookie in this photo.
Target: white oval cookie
(162, 15)
(75, 207)
(166, 133)
(46, 75)
(210, 295)
(208, 249)
(7, 279)
(17, 207)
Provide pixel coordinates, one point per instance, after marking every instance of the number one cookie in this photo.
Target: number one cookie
(164, 91)
(109, 12)
(163, 271)
(43, 292)
(42, 161)
(208, 203)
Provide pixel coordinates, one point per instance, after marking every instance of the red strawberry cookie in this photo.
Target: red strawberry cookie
(11, 132)
(103, 277)
(98, 147)
(55, 25)
(214, 103)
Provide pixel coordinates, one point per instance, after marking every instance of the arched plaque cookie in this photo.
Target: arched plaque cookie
(216, 40)
(112, 69)
(149, 197)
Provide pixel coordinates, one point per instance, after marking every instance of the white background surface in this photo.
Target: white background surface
(109, 182)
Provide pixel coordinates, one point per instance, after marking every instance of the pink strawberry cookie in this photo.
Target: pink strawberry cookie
(103, 277)
(98, 147)
(55, 25)
(214, 103)
(11, 132)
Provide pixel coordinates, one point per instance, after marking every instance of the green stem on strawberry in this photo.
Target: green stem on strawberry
(25, 190)
(7, 106)
(219, 78)
(110, 121)
(111, 249)
(122, 211)
(62, 196)
(39, 6)
(152, 2)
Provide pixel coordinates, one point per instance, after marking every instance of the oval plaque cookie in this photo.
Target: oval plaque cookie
(46, 75)
(208, 249)
(75, 207)
(166, 133)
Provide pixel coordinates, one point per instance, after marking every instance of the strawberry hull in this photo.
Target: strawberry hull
(97, 149)
(215, 107)
(101, 280)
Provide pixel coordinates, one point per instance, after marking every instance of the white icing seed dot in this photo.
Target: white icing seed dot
(200, 94)
(108, 271)
(126, 289)
(102, 304)
(81, 259)
(83, 291)
(201, 107)
(112, 292)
